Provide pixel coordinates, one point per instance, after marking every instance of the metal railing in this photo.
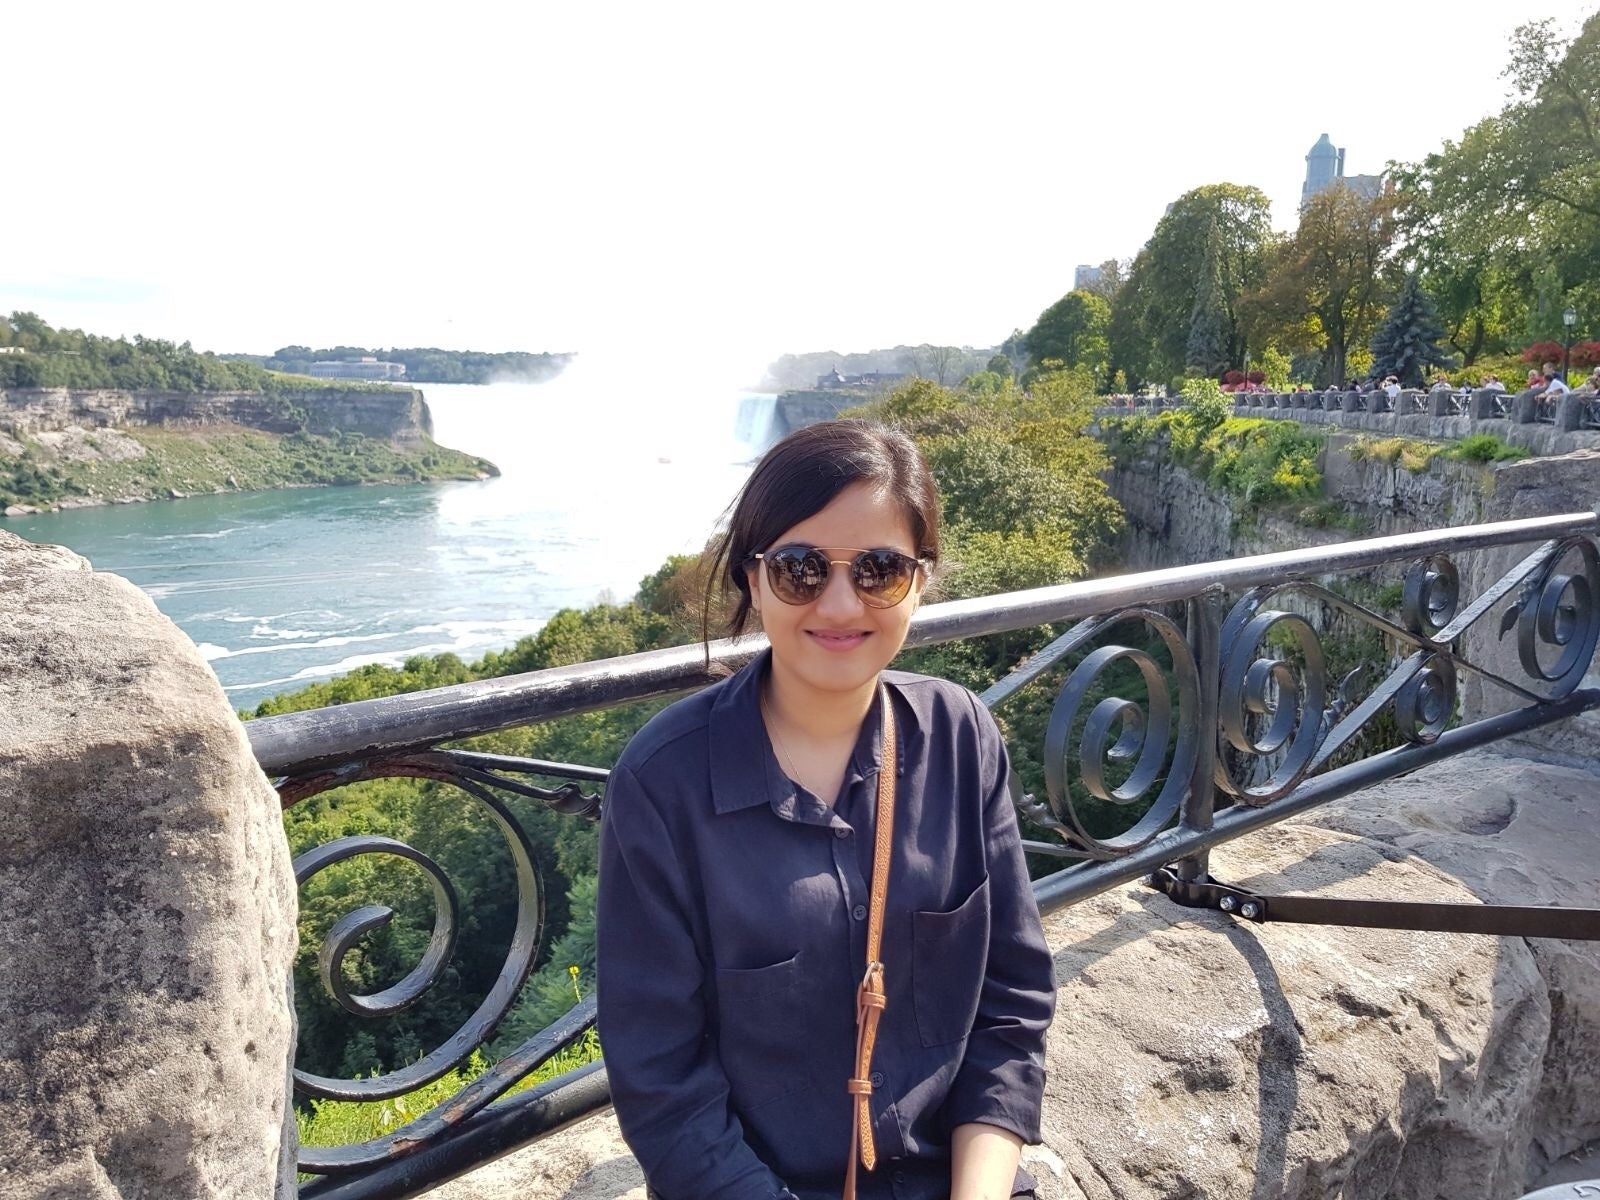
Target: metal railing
(1220, 717)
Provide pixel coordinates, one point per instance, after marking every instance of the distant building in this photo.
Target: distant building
(12, 350)
(365, 367)
(1084, 276)
(872, 379)
(1325, 166)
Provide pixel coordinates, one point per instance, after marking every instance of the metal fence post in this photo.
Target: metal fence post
(1204, 620)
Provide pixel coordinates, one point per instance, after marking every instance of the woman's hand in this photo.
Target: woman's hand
(983, 1162)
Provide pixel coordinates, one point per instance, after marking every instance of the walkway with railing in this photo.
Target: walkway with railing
(1452, 413)
(1200, 700)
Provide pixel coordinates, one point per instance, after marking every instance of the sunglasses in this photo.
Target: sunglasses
(798, 574)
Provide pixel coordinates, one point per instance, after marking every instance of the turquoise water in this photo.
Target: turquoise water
(280, 589)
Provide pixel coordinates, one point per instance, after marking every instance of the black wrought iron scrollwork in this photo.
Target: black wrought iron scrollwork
(1158, 742)
(354, 926)
(1431, 595)
(1270, 710)
(474, 774)
(1424, 703)
(1559, 609)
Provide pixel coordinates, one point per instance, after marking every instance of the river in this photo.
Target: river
(600, 482)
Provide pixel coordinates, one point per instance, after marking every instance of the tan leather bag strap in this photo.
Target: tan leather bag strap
(872, 997)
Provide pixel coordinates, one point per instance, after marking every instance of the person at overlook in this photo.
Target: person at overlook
(1554, 384)
(1591, 385)
(1493, 382)
(786, 999)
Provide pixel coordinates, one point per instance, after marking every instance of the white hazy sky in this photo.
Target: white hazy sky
(737, 179)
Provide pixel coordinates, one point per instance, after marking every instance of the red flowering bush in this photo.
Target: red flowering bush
(1585, 355)
(1257, 377)
(1542, 352)
(1232, 378)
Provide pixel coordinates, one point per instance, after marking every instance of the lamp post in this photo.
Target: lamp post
(1569, 319)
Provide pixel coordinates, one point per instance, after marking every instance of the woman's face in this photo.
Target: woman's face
(836, 643)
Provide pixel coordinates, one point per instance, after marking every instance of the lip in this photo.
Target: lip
(838, 641)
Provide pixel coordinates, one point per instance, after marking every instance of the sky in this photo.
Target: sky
(693, 186)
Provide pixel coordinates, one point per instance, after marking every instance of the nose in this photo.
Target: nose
(838, 601)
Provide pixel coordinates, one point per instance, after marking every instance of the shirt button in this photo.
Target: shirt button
(877, 1079)
(899, 1177)
(859, 912)
(841, 832)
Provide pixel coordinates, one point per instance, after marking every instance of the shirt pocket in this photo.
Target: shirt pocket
(949, 954)
(761, 1031)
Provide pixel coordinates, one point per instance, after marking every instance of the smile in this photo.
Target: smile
(837, 640)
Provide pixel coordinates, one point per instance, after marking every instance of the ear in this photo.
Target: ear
(752, 576)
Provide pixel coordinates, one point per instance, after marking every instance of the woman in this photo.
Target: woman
(737, 874)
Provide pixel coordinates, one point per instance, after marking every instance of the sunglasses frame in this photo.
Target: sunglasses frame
(917, 564)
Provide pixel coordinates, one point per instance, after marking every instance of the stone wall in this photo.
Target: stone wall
(1556, 426)
(397, 415)
(147, 907)
(1174, 516)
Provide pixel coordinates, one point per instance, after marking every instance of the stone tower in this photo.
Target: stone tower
(1323, 165)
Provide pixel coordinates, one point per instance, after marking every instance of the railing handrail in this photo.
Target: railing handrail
(294, 743)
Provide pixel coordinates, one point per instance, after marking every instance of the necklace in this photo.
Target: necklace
(777, 740)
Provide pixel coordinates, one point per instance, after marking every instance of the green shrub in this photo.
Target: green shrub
(1485, 448)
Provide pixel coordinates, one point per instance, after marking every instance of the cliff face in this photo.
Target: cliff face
(70, 447)
(1175, 517)
(797, 409)
(398, 415)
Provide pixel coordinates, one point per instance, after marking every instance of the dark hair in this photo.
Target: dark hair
(798, 478)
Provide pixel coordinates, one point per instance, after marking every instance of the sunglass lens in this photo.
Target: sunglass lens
(882, 577)
(798, 577)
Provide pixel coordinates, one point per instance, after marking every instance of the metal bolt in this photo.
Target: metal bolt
(1249, 910)
(1226, 904)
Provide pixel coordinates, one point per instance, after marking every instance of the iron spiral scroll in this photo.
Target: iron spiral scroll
(476, 775)
(1280, 717)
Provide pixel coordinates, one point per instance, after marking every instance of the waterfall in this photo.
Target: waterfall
(752, 425)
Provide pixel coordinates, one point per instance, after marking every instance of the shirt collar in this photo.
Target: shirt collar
(744, 770)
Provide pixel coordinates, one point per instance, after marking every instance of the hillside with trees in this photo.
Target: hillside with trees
(424, 364)
(944, 365)
(34, 355)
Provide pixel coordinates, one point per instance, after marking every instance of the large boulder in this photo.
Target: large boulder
(148, 928)
(1192, 1056)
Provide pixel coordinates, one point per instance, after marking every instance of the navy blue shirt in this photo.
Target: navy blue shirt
(732, 935)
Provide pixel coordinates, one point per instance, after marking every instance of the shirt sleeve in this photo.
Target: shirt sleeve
(667, 1087)
(1001, 1078)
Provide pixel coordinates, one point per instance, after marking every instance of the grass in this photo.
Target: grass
(1257, 461)
(347, 1122)
(1416, 456)
(225, 458)
(1410, 453)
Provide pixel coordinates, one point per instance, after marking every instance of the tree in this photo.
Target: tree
(1326, 285)
(1154, 310)
(1407, 343)
(1207, 349)
(1073, 331)
(1504, 224)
